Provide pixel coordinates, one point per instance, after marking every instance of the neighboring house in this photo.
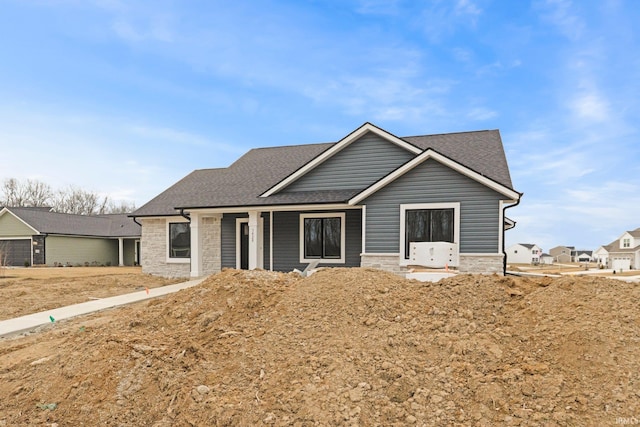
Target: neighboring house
(37, 236)
(601, 256)
(583, 256)
(524, 253)
(360, 201)
(546, 259)
(624, 252)
(562, 253)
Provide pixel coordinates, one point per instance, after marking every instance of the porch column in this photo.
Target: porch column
(120, 251)
(254, 240)
(196, 245)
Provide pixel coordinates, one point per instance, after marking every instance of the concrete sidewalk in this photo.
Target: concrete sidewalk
(32, 321)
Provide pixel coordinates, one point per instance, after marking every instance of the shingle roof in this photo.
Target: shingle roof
(46, 222)
(259, 169)
(526, 245)
(615, 245)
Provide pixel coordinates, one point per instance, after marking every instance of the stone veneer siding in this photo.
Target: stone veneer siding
(478, 264)
(153, 256)
(212, 255)
(383, 262)
(481, 264)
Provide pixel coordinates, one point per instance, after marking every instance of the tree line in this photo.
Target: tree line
(72, 200)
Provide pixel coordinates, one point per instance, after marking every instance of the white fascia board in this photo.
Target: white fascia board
(344, 142)
(509, 223)
(430, 154)
(276, 208)
(5, 210)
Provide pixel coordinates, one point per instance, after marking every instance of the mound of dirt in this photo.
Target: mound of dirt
(341, 347)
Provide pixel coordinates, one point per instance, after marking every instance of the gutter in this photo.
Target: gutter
(504, 252)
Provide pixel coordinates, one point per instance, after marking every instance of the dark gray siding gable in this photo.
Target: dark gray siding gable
(356, 166)
(433, 182)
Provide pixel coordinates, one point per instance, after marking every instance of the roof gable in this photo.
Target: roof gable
(13, 225)
(338, 147)
(431, 154)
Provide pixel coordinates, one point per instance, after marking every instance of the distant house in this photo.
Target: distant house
(546, 259)
(360, 201)
(562, 253)
(37, 236)
(524, 253)
(581, 255)
(624, 252)
(601, 256)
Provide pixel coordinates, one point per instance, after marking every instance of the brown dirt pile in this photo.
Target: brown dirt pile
(342, 347)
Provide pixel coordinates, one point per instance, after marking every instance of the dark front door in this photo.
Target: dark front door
(244, 245)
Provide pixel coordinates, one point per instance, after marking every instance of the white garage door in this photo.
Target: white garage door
(621, 264)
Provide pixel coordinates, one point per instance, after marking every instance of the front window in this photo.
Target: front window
(427, 222)
(322, 237)
(179, 240)
(428, 225)
(626, 243)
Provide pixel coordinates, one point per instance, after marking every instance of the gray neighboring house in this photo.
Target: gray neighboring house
(562, 253)
(356, 202)
(38, 236)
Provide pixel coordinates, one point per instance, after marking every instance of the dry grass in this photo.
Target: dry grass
(32, 290)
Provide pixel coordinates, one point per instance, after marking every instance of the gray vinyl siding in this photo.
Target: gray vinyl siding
(357, 166)
(80, 250)
(286, 245)
(432, 182)
(129, 252)
(228, 239)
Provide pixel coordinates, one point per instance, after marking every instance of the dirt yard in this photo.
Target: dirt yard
(344, 347)
(30, 290)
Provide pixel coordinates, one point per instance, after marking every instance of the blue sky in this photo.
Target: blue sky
(124, 98)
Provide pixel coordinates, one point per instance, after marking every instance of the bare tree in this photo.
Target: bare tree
(39, 193)
(123, 207)
(77, 201)
(31, 193)
(74, 200)
(4, 257)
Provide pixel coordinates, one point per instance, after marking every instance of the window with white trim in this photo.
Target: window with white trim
(179, 240)
(322, 237)
(626, 243)
(428, 222)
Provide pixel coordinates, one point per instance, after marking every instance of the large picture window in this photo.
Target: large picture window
(322, 237)
(437, 222)
(179, 240)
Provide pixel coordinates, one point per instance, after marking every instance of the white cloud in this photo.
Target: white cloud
(468, 8)
(590, 106)
(481, 113)
(563, 14)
